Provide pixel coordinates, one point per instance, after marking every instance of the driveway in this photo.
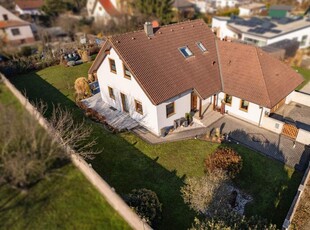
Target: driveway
(295, 113)
(273, 145)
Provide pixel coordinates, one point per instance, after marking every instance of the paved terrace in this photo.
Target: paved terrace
(271, 144)
(293, 112)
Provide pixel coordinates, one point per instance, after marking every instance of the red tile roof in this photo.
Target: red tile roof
(253, 75)
(29, 4)
(108, 7)
(163, 73)
(6, 24)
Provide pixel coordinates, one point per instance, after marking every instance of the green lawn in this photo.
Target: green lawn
(128, 162)
(63, 201)
(305, 73)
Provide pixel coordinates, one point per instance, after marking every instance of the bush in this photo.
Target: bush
(146, 204)
(225, 159)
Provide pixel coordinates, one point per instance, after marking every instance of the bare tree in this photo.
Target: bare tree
(208, 194)
(28, 153)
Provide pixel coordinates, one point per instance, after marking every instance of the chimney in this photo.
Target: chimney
(148, 29)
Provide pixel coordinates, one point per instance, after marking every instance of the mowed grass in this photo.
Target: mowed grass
(128, 162)
(305, 73)
(65, 200)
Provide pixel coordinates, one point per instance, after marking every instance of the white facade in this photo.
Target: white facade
(25, 33)
(251, 9)
(6, 15)
(225, 3)
(253, 115)
(96, 10)
(154, 117)
(220, 24)
(28, 11)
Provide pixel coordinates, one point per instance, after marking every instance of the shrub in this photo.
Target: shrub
(226, 159)
(146, 204)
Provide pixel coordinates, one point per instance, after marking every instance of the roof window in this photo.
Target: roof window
(186, 51)
(201, 47)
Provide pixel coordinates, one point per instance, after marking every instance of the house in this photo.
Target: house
(224, 3)
(105, 10)
(251, 9)
(157, 75)
(30, 7)
(184, 7)
(13, 30)
(263, 31)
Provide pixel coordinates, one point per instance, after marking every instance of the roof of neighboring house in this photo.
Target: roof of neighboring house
(161, 69)
(6, 24)
(29, 4)
(162, 72)
(108, 7)
(253, 75)
(281, 7)
(266, 27)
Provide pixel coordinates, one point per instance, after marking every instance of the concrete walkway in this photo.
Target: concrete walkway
(271, 144)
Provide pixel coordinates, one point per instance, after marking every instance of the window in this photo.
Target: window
(139, 107)
(15, 32)
(201, 47)
(112, 65)
(185, 51)
(5, 17)
(127, 73)
(170, 109)
(228, 99)
(244, 105)
(111, 93)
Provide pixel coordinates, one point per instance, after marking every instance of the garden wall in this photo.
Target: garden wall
(272, 124)
(103, 187)
(303, 136)
(301, 98)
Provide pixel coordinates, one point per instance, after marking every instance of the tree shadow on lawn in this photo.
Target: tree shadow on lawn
(121, 164)
(272, 184)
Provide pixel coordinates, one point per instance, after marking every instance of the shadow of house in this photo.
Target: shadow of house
(121, 163)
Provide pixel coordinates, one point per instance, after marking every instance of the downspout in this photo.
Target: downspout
(261, 116)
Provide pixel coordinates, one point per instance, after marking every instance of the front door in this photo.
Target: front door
(194, 102)
(124, 102)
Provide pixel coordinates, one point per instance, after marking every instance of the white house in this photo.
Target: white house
(263, 31)
(251, 9)
(105, 10)
(13, 30)
(224, 3)
(157, 76)
(30, 7)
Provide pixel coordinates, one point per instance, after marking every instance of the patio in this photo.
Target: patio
(115, 118)
(294, 113)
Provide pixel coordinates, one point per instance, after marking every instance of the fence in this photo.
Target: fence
(109, 194)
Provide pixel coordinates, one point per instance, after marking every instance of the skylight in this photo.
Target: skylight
(186, 51)
(201, 47)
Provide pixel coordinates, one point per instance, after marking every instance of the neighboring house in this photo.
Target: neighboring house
(183, 6)
(251, 9)
(13, 30)
(156, 76)
(105, 10)
(263, 31)
(279, 11)
(224, 3)
(30, 7)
